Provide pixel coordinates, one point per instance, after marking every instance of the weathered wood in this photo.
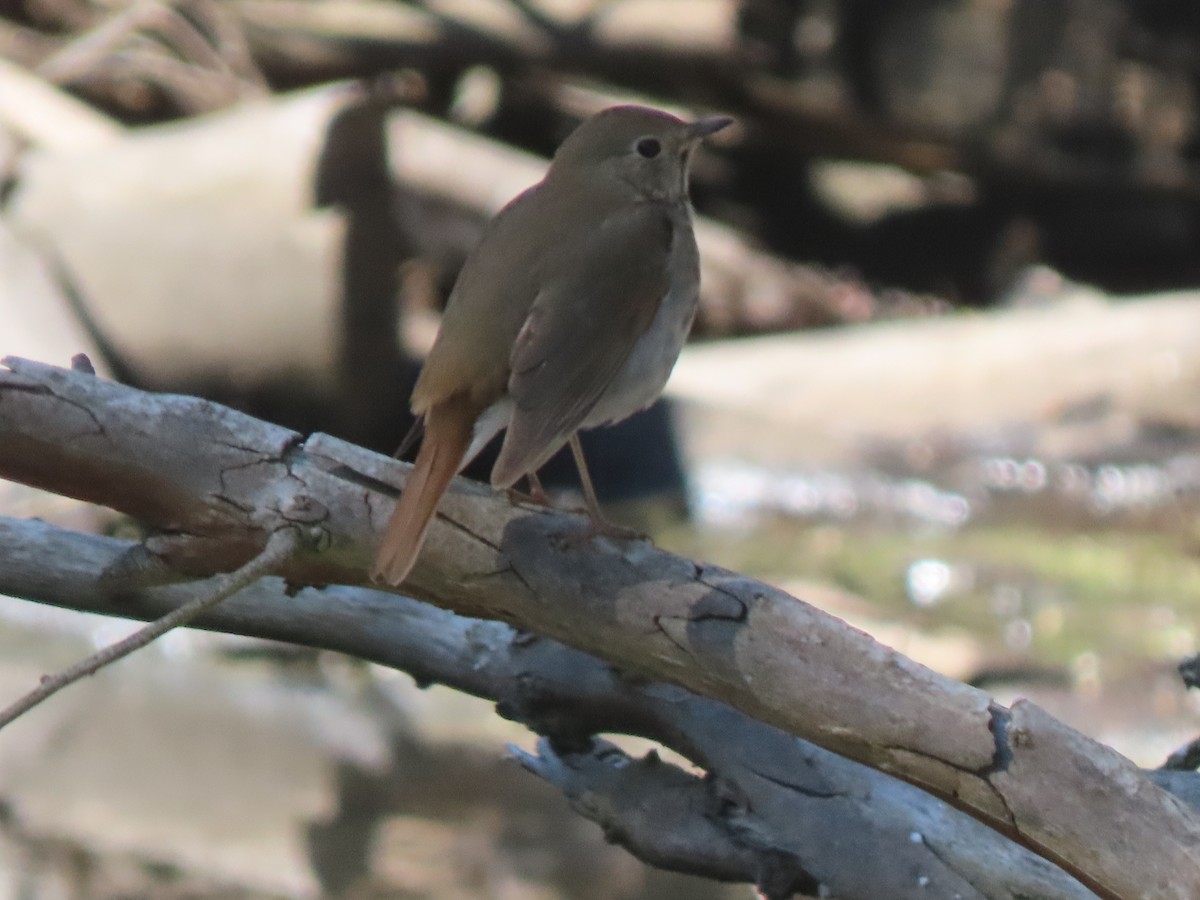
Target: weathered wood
(224, 208)
(772, 807)
(47, 118)
(37, 317)
(1065, 380)
(218, 481)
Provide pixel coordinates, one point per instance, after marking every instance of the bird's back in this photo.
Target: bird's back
(498, 284)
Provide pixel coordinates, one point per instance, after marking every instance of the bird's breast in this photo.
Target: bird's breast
(640, 381)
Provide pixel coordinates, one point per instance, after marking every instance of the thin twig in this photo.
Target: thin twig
(283, 543)
(192, 67)
(83, 51)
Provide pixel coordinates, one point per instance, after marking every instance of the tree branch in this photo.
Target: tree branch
(219, 481)
(771, 809)
(282, 544)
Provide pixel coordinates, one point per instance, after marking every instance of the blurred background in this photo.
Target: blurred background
(945, 379)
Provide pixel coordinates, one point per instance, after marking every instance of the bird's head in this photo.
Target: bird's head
(642, 149)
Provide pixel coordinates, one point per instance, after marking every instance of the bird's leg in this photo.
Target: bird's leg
(599, 524)
(410, 438)
(536, 494)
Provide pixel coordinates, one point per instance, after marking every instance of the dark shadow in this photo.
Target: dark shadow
(374, 377)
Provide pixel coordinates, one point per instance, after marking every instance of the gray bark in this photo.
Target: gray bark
(770, 808)
(215, 482)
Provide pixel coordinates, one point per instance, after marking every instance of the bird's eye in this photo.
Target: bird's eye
(648, 147)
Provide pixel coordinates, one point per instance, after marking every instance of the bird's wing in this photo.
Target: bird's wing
(580, 331)
(490, 301)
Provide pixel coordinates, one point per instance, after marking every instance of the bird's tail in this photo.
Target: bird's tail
(448, 429)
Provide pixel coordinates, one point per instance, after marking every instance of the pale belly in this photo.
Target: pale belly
(641, 380)
(637, 384)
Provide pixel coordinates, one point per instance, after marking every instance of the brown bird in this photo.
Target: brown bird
(569, 314)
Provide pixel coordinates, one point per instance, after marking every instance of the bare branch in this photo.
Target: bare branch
(283, 543)
(775, 810)
(219, 481)
(668, 817)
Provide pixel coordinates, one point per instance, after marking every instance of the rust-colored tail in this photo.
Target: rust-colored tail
(448, 429)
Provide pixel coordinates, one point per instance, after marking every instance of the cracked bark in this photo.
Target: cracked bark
(164, 460)
(770, 808)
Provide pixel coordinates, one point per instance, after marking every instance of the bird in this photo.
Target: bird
(569, 314)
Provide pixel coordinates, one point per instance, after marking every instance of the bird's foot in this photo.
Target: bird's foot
(536, 494)
(521, 498)
(599, 526)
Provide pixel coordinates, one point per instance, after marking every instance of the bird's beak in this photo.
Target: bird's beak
(698, 131)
